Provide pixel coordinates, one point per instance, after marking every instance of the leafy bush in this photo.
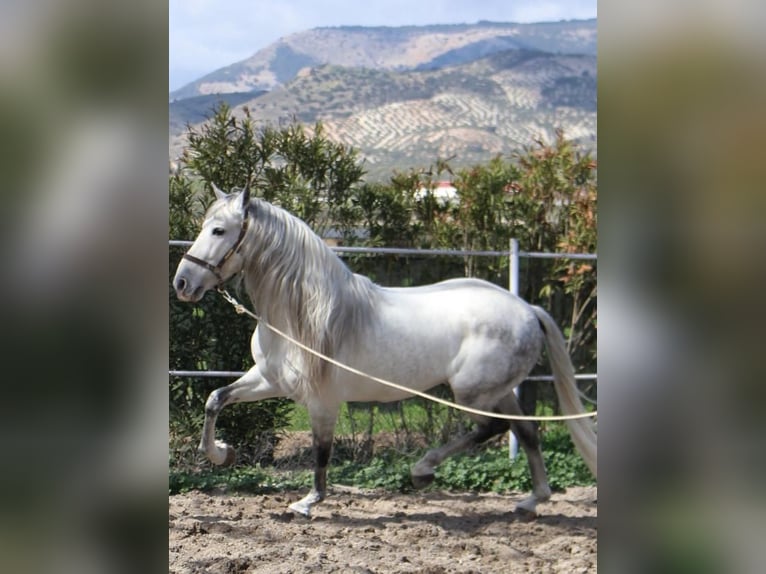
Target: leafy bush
(492, 470)
(387, 471)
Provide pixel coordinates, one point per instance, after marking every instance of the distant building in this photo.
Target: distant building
(443, 191)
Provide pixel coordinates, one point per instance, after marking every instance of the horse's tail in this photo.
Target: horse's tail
(582, 430)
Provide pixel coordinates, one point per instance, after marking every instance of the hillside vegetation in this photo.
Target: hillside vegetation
(390, 48)
(405, 96)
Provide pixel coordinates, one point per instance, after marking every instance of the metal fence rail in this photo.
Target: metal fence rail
(514, 254)
(435, 252)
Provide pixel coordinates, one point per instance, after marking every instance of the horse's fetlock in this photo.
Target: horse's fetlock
(543, 493)
(422, 480)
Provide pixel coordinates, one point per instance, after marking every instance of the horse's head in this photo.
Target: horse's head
(215, 256)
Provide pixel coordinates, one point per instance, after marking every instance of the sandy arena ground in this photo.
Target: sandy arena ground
(358, 531)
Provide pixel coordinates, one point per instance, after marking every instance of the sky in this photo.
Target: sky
(206, 35)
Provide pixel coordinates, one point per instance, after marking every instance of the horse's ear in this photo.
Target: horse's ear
(219, 194)
(246, 196)
(243, 198)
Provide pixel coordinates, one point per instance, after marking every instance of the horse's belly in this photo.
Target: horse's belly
(397, 361)
(407, 350)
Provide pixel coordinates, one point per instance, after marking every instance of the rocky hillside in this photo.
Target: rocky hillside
(385, 48)
(406, 109)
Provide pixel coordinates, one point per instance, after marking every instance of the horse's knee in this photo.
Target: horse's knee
(215, 402)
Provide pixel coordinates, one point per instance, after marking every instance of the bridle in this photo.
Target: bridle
(216, 269)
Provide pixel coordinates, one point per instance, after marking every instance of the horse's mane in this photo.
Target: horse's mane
(298, 284)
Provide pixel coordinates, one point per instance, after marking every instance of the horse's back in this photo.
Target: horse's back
(465, 301)
(445, 319)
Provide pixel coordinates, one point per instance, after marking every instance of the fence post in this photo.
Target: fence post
(513, 280)
(513, 268)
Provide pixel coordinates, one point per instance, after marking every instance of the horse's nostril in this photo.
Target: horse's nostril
(180, 284)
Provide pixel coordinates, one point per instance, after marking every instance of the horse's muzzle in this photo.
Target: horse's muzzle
(186, 292)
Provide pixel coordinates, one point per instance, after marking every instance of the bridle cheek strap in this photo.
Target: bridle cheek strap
(216, 269)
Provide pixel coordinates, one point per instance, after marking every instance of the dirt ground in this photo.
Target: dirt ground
(360, 531)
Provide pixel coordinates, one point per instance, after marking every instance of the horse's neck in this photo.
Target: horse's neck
(291, 270)
(301, 287)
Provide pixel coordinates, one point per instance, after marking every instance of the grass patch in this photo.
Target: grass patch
(486, 470)
(252, 480)
(362, 417)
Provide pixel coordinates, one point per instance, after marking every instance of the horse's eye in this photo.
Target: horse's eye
(218, 231)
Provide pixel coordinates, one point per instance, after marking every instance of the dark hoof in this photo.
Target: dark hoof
(231, 456)
(422, 480)
(525, 515)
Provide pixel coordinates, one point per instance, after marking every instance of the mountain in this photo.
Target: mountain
(471, 100)
(197, 109)
(390, 48)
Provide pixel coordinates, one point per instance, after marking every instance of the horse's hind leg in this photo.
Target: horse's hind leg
(322, 430)
(528, 437)
(422, 472)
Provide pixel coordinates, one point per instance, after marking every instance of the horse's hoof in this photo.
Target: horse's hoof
(231, 456)
(526, 515)
(526, 510)
(302, 509)
(422, 480)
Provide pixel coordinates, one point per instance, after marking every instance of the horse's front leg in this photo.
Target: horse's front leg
(252, 386)
(322, 429)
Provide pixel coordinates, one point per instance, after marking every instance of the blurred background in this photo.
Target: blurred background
(83, 172)
(681, 241)
(83, 164)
